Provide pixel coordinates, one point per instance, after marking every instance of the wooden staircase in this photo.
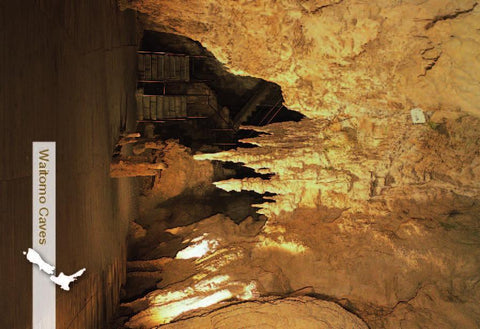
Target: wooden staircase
(161, 107)
(262, 90)
(160, 67)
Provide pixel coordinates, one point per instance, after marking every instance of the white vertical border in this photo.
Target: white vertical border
(43, 233)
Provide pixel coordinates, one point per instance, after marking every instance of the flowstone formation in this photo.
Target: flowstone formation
(386, 215)
(359, 164)
(285, 313)
(372, 212)
(328, 54)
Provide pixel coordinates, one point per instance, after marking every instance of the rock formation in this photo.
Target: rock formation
(286, 313)
(372, 212)
(328, 55)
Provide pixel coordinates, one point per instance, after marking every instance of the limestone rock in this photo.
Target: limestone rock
(371, 211)
(293, 312)
(329, 54)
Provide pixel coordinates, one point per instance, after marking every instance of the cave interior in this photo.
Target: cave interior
(247, 164)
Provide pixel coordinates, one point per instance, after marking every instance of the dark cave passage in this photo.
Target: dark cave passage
(211, 103)
(185, 96)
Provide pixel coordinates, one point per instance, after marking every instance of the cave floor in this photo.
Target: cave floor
(68, 75)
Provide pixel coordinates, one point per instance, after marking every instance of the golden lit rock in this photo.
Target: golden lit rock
(329, 55)
(372, 211)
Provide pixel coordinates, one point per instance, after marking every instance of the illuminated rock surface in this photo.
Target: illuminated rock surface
(327, 55)
(372, 212)
(299, 312)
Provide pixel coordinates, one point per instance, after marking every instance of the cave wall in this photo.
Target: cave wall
(329, 55)
(372, 212)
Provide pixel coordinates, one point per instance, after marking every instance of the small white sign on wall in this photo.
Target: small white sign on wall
(417, 116)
